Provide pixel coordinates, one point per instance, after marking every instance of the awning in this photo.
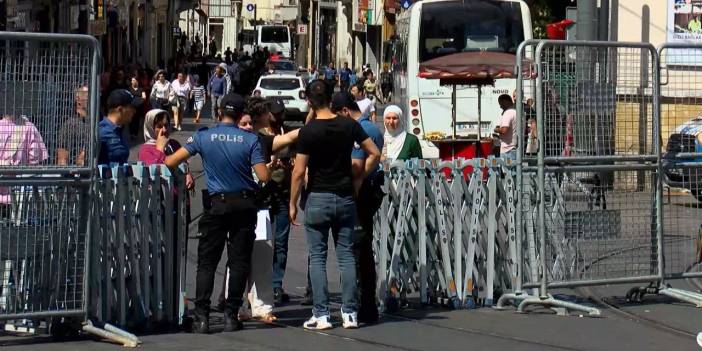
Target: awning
(470, 67)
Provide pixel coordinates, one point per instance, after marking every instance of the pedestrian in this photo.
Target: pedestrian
(399, 145)
(386, 83)
(137, 91)
(72, 141)
(219, 86)
(364, 103)
(370, 85)
(200, 96)
(121, 107)
(330, 203)
(157, 145)
(506, 127)
(181, 89)
(353, 78)
(368, 201)
(230, 210)
(160, 91)
(331, 77)
(345, 77)
(228, 55)
(314, 74)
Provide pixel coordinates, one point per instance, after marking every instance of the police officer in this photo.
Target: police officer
(228, 154)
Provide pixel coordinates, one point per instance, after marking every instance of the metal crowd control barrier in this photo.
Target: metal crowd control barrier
(449, 238)
(48, 101)
(138, 257)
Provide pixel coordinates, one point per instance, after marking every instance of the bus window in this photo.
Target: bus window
(277, 34)
(452, 27)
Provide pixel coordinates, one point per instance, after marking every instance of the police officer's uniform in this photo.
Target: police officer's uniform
(228, 154)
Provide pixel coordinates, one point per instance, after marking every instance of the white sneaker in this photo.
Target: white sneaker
(179, 128)
(350, 320)
(699, 339)
(318, 323)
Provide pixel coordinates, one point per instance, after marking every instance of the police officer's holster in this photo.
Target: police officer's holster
(229, 218)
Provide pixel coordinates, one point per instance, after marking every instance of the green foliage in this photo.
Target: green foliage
(541, 15)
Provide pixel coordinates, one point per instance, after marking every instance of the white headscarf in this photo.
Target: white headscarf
(150, 135)
(395, 140)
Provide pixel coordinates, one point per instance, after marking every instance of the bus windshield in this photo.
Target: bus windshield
(274, 34)
(462, 26)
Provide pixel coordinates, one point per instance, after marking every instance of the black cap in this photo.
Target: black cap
(343, 99)
(232, 105)
(122, 97)
(276, 106)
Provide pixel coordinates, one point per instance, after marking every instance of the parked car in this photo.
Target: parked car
(683, 171)
(288, 87)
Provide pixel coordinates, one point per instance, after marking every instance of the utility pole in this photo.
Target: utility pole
(301, 53)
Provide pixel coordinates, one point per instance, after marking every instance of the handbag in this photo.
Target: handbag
(264, 229)
(172, 98)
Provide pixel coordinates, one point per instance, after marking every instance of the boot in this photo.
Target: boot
(231, 321)
(201, 324)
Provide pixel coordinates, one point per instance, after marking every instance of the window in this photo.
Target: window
(452, 27)
(284, 66)
(280, 84)
(274, 34)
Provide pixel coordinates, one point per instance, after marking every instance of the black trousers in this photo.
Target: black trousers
(367, 204)
(230, 221)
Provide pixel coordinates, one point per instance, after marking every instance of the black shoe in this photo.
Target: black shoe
(279, 296)
(307, 301)
(231, 321)
(201, 322)
(368, 315)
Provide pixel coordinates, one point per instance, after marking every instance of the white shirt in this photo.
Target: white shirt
(182, 90)
(508, 141)
(161, 90)
(366, 106)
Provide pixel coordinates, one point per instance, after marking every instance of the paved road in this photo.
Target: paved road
(417, 329)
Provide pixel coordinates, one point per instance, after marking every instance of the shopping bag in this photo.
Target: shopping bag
(264, 230)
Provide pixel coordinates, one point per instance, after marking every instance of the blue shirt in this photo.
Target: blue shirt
(113, 147)
(353, 78)
(344, 74)
(228, 153)
(373, 133)
(329, 74)
(217, 85)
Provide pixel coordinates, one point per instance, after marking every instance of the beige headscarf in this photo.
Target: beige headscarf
(149, 132)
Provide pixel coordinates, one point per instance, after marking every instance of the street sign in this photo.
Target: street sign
(301, 29)
(406, 4)
(250, 7)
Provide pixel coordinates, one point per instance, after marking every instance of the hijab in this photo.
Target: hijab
(395, 140)
(149, 131)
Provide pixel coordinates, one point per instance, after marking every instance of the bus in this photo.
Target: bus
(434, 28)
(276, 38)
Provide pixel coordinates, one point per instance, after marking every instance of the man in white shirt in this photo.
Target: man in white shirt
(364, 104)
(506, 127)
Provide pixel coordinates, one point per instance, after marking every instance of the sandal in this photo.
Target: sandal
(268, 318)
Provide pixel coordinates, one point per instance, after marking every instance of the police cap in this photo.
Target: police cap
(232, 105)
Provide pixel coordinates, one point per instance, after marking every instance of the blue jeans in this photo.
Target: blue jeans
(281, 225)
(324, 212)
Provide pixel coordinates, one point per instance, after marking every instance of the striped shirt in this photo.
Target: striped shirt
(199, 93)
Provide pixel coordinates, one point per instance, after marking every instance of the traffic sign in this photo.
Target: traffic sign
(250, 7)
(301, 29)
(406, 4)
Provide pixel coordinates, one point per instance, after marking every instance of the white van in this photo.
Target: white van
(276, 38)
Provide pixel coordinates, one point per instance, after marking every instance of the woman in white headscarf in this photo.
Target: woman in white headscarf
(399, 145)
(157, 145)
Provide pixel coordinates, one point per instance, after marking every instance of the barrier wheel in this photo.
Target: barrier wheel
(470, 304)
(454, 303)
(62, 328)
(392, 304)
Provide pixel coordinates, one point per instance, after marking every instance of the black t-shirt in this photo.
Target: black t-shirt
(266, 145)
(328, 143)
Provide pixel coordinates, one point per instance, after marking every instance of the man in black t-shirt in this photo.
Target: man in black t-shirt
(324, 146)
